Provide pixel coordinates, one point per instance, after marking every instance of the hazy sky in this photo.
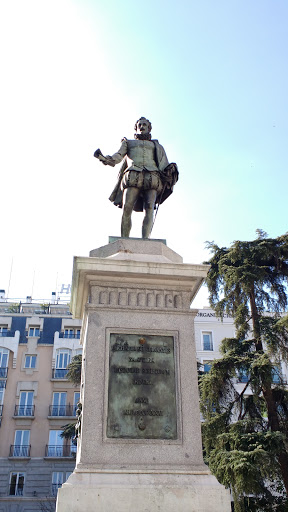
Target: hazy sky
(211, 76)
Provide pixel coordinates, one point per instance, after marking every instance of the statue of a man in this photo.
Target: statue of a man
(146, 178)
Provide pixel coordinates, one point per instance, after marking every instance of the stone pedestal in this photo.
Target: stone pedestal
(140, 446)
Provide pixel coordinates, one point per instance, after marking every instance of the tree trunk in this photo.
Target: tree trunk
(255, 321)
(273, 421)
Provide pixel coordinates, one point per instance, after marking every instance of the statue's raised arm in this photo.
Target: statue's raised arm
(145, 179)
(106, 160)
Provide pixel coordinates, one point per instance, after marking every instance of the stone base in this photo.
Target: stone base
(140, 492)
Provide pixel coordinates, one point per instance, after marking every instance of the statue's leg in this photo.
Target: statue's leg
(131, 195)
(149, 204)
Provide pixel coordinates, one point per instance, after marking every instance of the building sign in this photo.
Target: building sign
(142, 389)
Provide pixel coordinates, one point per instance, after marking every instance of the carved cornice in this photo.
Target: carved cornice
(139, 298)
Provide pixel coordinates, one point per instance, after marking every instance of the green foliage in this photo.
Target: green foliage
(74, 370)
(14, 307)
(68, 431)
(248, 270)
(74, 376)
(245, 429)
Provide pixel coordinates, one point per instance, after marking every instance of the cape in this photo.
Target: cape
(168, 173)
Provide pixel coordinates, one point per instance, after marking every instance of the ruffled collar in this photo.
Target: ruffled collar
(142, 136)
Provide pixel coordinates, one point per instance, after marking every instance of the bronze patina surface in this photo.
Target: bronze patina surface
(142, 389)
(145, 179)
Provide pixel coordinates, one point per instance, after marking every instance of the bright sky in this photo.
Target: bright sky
(76, 74)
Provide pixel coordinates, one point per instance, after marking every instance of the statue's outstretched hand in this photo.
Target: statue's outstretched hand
(98, 153)
(106, 160)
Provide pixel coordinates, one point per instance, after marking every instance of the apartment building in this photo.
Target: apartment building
(37, 342)
(209, 332)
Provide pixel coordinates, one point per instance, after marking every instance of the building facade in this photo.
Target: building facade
(210, 331)
(37, 342)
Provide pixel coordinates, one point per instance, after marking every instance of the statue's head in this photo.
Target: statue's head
(143, 126)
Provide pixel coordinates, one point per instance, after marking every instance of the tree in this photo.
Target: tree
(245, 432)
(74, 376)
(74, 370)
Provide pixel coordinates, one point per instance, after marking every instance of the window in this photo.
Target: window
(55, 447)
(63, 358)
(58, 447)
(71, 332)
(243, 376)
(4, 358)
(207, 367)
(207, 340)
(276, 375)
(34, 331)
(58, 478)
(59, 404)
(3, 330)
(25, 407)
(73, 447)
(57, 481)
(21, 446)
(1, 401)
(75, 402)
(30, 361)
(16, 485)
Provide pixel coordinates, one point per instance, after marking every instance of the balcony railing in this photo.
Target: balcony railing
(3, 373)
(1, 410)
(59, 373)
(60, 451)
(24, 410)
(20, 450)
(70, 335)
(7, 334)
(62, 410)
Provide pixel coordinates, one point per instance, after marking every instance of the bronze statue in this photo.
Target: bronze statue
(145, 179)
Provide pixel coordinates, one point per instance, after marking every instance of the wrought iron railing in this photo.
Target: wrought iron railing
(24, 410)
(59, 373)
(68, 335)
(62, 410)
(7, 334)
(21, 450)
(60, 451)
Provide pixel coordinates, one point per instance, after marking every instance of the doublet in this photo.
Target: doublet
(140, 155)
(144, 164)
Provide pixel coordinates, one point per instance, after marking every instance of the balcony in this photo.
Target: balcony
(3, 373)
(55, 451)
(7, 334)
(62, 410)
(20, 450)
(59, 373)
(24, 410)
(70, 335)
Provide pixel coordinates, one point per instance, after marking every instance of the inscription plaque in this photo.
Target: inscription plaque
(142, 389)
